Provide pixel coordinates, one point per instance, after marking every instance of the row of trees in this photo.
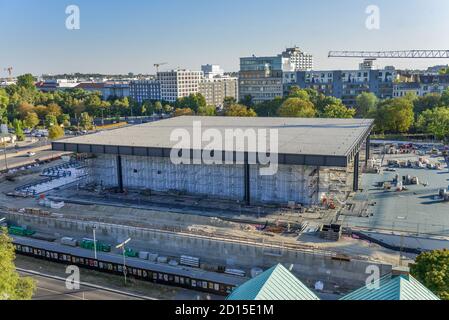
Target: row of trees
(23, 106)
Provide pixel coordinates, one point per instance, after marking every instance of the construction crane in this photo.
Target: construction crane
(404, 54)
(157, 65)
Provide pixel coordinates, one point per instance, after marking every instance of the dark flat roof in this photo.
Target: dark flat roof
(317, 141)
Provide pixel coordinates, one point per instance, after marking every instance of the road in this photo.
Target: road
(23, 159)
(54, 289)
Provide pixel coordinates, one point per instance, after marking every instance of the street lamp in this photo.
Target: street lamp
(122, 245)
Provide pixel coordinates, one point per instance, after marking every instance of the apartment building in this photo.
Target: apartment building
(422, 85)
(216, 89)
(344, 84)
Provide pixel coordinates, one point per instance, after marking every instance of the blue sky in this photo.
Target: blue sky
(130, 36)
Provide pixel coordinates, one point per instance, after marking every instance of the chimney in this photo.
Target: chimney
(400, 271)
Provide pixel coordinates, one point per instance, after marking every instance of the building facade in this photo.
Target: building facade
(178, 83)
(301, 61)
(344, 84)
(142, 90)
(422, 85)
(212, 71)
(215, 90)
(261, 77)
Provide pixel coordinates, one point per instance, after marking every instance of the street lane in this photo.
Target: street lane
(55, 289)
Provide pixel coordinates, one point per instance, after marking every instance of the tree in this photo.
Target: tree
(86, 121)
(64, 120)
(207, 111)
(12, 286)
(194, 101)
(432, 270)
(158, 107)
(394, 115)
(296, 107)
(434, 121)
(26, 81)
(445, 98)
(4, 101)
(429, 101)
(247, 101)
(366, 102)
(167, 108)
(239, 110)
(228, 101)
(183, 112)
(50, 120)
(31, 120)
(54, 109)
(297, 92)
(23, 109)
(338, 111)
(55, 132)
(17, 125)
(268, 108)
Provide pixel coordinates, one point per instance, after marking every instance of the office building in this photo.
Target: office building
(216, 89)
(142, 90)
(178, 83)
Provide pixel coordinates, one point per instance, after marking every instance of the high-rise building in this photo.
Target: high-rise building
(178, 83)
(261, 77)
(300, 60)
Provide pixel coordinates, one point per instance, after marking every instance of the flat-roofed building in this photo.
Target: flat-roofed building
(144, 157)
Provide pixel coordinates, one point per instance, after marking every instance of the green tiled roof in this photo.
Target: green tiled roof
(277, 283)
(401, 287)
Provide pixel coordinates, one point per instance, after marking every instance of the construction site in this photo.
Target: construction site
(315, 213)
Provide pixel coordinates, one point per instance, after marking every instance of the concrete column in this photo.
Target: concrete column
(247, 196)
(356, 172)
(119, 174)
(367, 150)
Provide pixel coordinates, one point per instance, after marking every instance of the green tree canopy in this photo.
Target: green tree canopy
(297, 92)
(394, 115)
(429, 101)
(55, 132)
(183, 112)
(207, 111)
(296, 107)
(239, 110)
(268, 108)
(434, 121)
(12, 286)
(432, 270)
(339, 111)
(17, 125)
(50, 120)
(31, 120)
(366, 102)
(4, 101)
(26, 81)
(194, 101)
(86, 121)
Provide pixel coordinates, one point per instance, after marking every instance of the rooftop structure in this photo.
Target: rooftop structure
(324, 142)
(277, 283)
(399, 285)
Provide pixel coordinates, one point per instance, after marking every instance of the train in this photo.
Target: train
(180, 276)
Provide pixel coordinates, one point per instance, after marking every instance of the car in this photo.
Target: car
(30, 153)
(390, 169)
